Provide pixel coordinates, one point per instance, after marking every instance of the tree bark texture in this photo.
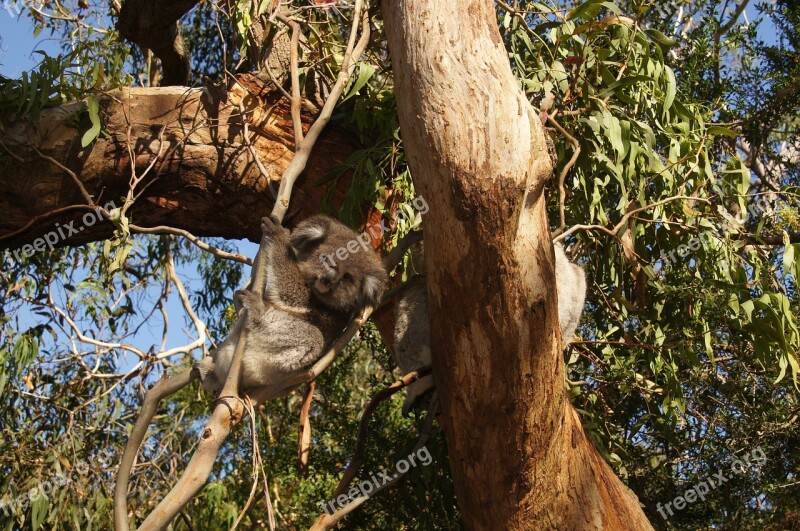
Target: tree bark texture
(477, 151)
(206, 180)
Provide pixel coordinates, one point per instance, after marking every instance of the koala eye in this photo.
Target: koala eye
(347, 277)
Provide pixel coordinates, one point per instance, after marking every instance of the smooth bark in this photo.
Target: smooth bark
(477, 151)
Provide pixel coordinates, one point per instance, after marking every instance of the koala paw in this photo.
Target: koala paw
(248, 300)
(271, 227)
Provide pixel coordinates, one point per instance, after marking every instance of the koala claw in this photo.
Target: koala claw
(248, 300)
(270, 226)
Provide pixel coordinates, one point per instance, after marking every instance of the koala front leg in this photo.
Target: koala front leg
(272, 231)
(250, 301)
(285, 286)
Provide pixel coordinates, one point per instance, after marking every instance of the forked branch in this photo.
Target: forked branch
(229, 408)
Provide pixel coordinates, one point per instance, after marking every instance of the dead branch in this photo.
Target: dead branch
(327, 521)
(183, 190)
(361, 443)
(304, 435)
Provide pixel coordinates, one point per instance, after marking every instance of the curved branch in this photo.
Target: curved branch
(164, 388)
(361, 443)
(300, 159)
(568, 166)
(163, 229)
(327, 521)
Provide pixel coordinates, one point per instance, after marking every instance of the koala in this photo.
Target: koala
(412, 333)
(313, 289)
(571, 285)
(412, 327)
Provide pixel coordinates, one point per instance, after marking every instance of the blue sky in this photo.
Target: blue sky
(17, 44)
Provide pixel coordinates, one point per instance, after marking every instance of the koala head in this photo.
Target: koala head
(340, 267)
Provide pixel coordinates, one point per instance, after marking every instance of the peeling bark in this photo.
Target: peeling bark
(477, 151)
(206, 181)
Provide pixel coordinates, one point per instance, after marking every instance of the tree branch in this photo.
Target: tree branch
(192, 182)
(155, 25)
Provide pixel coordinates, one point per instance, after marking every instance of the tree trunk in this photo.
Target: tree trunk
(518, 454)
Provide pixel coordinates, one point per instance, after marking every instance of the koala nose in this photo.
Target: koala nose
(323, 284)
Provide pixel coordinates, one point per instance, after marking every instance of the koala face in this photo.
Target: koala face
(339, 266)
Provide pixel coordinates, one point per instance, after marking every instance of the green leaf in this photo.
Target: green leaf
(719, 130)
(660, 38)
(788, 254)
(38, 510)
(94, 115)
(733, 303)
(621, 84)
(748, 307)
(672, 88)
(365, 72)
(583, 10)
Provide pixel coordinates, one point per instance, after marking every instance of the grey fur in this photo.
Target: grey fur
(304, 309)
(412, 326)
(412, 332)
(571, 285)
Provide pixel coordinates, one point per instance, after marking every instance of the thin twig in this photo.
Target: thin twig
(326, 521)
(49, 214)
(613, 232)
(563, 175)
(71, 174)
(724, 29)
(361, 443)
(296, 98)
(163, 229)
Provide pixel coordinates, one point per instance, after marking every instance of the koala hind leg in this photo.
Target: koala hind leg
(412, 344)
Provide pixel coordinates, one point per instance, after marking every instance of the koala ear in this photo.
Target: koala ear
(308, 235)
(371, 291)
